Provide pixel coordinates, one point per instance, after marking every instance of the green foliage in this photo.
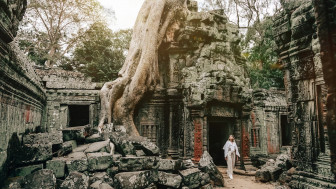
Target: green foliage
(101, 52)
(262, 59)
(51, 28)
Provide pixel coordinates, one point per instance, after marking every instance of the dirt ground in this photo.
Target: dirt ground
(243, 182)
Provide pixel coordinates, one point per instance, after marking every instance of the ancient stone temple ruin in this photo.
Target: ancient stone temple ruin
(204, 91)
(306, 46)
(72, 99)
(48, 117)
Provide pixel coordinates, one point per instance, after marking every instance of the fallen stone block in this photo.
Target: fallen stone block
(34, 153)
(43, 138)
(43, 178)
(99, 161)
(207, 165)
(170, 165)
(205, 178)
(26, 170)
(100, 185)
(122, 143)
(283, 162)
(188, 164)
(81, 148)
(94, 138)
(62, 149)
(191, 177)
(275, 173)
(142, 143)
(57, 165)
(138, 163)
(77, 161)
(98, 146)
(140, 153)
(103, 177)
(263, 175)
(74, 133)
(134, 180)
(169, 180)
(75, 180)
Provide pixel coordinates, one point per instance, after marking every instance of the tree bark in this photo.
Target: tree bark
(140, 72)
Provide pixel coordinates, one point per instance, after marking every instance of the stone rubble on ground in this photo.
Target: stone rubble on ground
(72, 160)
(276, 170)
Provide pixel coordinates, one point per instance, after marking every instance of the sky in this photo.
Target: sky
(126, 12)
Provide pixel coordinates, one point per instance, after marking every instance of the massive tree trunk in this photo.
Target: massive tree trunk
(139, 74)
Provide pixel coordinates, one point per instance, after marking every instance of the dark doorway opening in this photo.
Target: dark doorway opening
(79, 115)
(219, 132)
(286, 133)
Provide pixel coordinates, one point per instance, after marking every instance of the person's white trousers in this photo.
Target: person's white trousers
(231, 163)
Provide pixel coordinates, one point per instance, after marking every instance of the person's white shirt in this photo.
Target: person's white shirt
(230, 146)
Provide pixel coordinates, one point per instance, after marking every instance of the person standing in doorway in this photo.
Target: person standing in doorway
(231, 154)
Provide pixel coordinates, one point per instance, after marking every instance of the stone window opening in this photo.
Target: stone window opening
(150, 131)
(79, 115)
(255, 136)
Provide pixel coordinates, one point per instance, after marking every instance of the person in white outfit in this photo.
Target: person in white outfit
(231, 154)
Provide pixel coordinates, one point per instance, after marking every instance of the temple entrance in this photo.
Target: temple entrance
(79, 115)
(219, 132)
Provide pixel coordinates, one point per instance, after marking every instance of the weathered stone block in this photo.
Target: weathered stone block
(94, 138)
(26, 170)
(57, 165)
(144, 144)
(77, 161)
(76, 180)
(134, 180)
(81, 148)
(99, 161)
(169, 165)
(207, 165)
(40, 179)
(138, 163)
(32, 153)
(97, 146)
(191, 177)
(122, 143)
(100, 185)
(63, 149)
(169, 180)
(74, 133)
(43, 138)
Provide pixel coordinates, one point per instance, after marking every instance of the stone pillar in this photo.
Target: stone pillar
(198, 124)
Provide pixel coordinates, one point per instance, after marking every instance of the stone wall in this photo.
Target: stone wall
(22, 98)
(301, 50)
(66, 89)
(269, 109)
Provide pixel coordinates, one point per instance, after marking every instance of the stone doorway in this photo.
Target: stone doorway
(219, 132)
(286, 132)
(79, 115)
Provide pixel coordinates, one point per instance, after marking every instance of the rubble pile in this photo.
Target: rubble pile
(275, 170)
(71, 159)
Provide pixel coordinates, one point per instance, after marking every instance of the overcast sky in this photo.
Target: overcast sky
(126, 12)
